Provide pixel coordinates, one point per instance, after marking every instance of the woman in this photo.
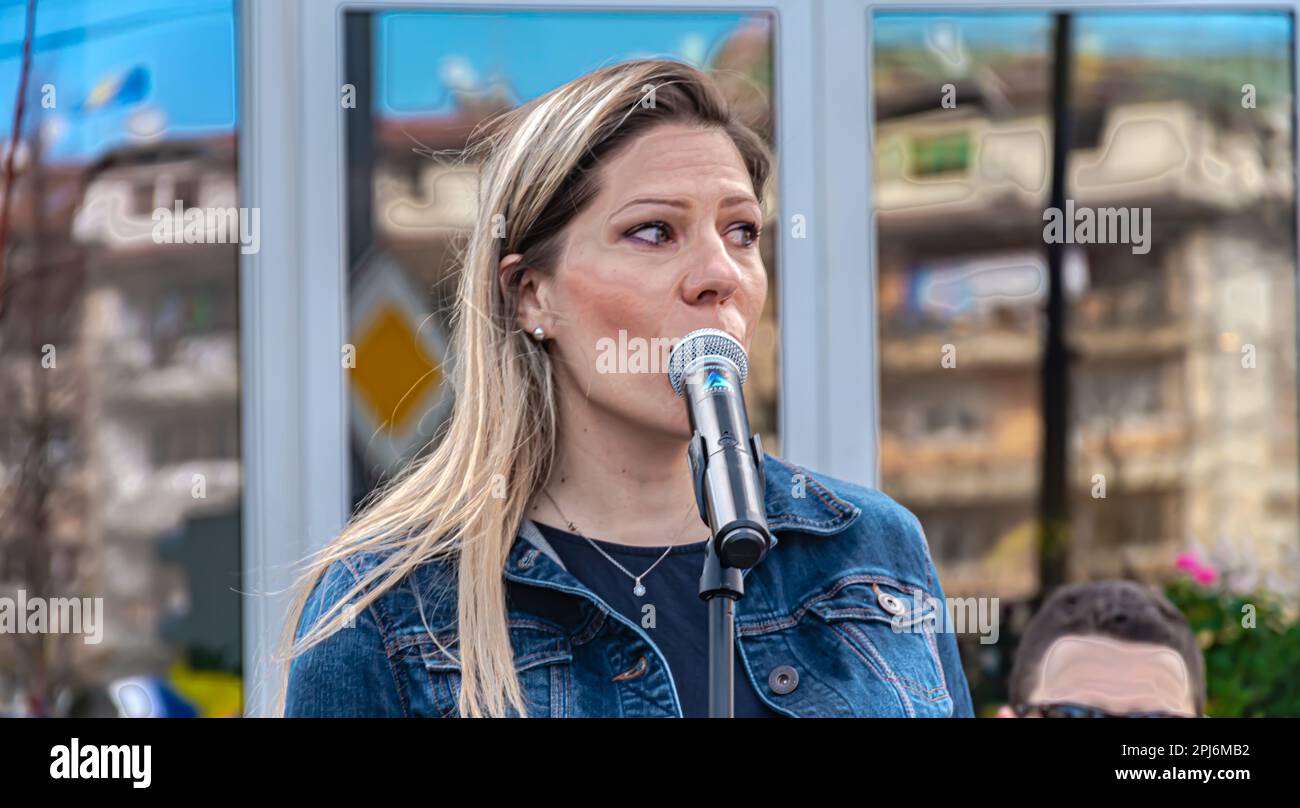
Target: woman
(544, 560)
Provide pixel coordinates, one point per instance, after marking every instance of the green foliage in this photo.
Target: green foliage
(1250, 672)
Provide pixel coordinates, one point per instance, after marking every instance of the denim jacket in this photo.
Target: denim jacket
(829, 625)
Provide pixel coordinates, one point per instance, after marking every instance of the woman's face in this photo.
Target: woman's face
(668, 245)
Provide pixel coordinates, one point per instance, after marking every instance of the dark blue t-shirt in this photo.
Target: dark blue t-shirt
(681, 618)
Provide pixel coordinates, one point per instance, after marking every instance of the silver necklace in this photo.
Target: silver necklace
(638, 588)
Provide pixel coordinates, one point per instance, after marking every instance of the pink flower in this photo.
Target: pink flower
(1203, 574)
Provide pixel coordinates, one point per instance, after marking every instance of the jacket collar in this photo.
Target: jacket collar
(798, 501)
(795, 500)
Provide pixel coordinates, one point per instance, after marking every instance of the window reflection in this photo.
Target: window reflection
(1182, 348)
(119, 431)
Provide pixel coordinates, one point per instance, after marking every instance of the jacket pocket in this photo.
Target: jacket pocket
(543, 660)
(880, 637)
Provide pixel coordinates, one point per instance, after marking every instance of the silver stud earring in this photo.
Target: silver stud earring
(539, 333)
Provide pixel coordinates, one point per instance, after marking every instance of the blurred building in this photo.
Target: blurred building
(158, 330)
(1190, 443)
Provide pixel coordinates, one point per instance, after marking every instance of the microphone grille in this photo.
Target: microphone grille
(701, 343)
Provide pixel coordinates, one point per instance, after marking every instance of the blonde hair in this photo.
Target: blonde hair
(538, 170)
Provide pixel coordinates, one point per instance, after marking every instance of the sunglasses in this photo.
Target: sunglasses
(1068, 710)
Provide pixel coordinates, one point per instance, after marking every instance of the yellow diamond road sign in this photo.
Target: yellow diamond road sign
(393, 372)
(397, 379)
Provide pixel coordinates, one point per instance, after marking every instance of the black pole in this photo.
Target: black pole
(360, 177)
(1054, 494)
(721, 586)
(360, 143)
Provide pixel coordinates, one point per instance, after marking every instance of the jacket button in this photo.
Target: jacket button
(783, 679)
(888, 602)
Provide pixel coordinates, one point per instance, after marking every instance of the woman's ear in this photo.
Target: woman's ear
(527, 286)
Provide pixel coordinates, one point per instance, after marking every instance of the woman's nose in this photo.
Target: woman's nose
(714, 275)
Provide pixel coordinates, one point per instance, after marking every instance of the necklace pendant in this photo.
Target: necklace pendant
(638, 590)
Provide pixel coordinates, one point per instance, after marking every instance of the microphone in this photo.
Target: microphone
(707, 368)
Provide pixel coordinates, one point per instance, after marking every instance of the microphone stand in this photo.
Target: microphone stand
(721, 584)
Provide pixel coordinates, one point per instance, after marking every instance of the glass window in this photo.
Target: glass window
(119, 377)
(962, 137)
(1177, 275)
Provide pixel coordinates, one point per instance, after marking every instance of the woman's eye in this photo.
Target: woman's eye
(750, 233)
(663, 231)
